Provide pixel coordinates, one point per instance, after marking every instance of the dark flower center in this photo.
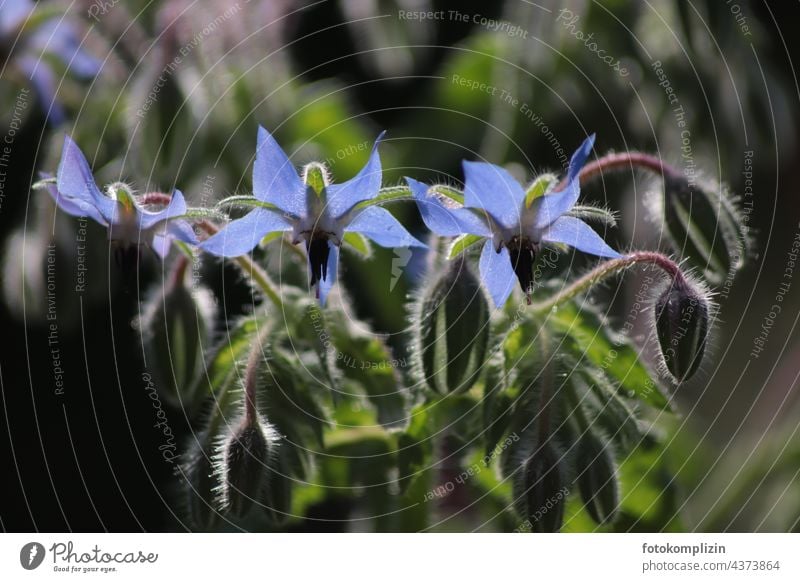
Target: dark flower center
(318, 252)
(126, 255)
(523, 255)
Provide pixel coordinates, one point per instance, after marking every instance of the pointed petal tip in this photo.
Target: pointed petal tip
(418, 189)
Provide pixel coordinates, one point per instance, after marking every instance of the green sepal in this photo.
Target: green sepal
(540, 186)
(462, 243)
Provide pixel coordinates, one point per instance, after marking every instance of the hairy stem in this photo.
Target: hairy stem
(621, 161)
(607, 269)
(249, 267)
(156, 198)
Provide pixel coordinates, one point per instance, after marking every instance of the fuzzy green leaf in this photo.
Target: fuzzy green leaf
(591, 338)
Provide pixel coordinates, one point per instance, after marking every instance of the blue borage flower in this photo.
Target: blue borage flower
(30, 36)
(129, 224)
(315, 211)
(515, 224)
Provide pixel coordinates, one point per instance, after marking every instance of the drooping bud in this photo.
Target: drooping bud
(200, 485)
(277, 493)
(682, 319)
(705, 227)
(539, 491)
(597, 478)
(453, 329)
(242, 462)
(176, 322)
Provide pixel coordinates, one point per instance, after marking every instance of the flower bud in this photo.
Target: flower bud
(243, 458)
(277, 493)
(681, 316)
(597, 478)
(176, 323)
(539, 491)
(453, 329)
(200, 489)
(705, 226)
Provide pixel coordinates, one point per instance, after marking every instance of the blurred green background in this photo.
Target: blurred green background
(509, 82)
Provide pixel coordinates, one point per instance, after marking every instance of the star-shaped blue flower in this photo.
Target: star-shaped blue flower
(29, 39)
(129, 225)
(318, 218)
(515, 226)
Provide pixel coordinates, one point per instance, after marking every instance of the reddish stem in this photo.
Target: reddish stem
(178, 273)
(156, 198)
(621, 161)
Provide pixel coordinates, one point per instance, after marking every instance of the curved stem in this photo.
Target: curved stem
(158, 198)
(178, 272)
(607, 269)
(249, 267)
(621, 161)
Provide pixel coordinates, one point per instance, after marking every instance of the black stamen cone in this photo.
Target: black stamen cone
(522, 259)
(318, 252)
(126, 256)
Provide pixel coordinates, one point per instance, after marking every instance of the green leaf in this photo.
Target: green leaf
(222, 368)
(605, 406)
(368, 368)
(462, 243)
(612, 352)
(649, 492)
(270, 237)
(539, 187)
(359, 243)
(288, 398)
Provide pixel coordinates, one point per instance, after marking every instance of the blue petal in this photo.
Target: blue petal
(364, 186)
(492, 189)
(74, 180)
(182, 230)
(176, 207)
(324, 285)
(579, 157)
(497, 273)
(576, 233)
(275, 179)
(75, 207)
(442, 220)
(44, 83)
(242, 235)
(550, 206)
(379, 225)
(161, 244)
(13, 13)
(61, 38)
(173, 229)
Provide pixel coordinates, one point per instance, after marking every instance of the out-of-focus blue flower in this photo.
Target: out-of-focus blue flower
(129, 225)
(515, 225)
(29, 38)
(317, 215)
